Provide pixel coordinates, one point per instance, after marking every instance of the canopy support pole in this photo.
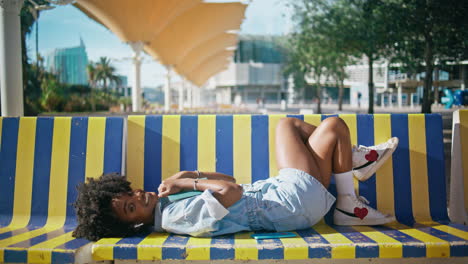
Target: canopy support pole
(167, 90)
(137, 48)
(181, 94)
(11, 72)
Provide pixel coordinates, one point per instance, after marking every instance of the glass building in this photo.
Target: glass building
(69, 64)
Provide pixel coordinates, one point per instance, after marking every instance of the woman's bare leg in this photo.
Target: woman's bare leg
(318, 151)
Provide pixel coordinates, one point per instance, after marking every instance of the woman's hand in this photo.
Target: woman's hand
(170, 186)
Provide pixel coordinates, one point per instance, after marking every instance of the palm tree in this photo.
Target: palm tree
(91, 70)
(106, 72)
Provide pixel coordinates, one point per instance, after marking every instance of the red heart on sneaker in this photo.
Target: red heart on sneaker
(372, 155)
(360, 212)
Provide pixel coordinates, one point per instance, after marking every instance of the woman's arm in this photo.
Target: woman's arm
(208, 175)
(226, 192)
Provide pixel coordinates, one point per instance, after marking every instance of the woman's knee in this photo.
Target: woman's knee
(335, 124)
(286, 122)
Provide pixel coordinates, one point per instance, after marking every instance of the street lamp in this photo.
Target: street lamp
(35, 13)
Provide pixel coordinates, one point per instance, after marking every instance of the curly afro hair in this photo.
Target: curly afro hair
(96, 219)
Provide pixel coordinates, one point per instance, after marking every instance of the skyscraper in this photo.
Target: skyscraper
(69, 64)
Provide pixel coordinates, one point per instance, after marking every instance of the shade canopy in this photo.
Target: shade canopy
(206, 50)
(136, 20)
(209, 67)
(181, 34)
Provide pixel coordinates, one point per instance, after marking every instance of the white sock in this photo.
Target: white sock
(344, 183)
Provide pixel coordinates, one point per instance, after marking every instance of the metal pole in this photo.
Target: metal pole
(167, 90)
(136, 89)
(11, 69)
(181, 95)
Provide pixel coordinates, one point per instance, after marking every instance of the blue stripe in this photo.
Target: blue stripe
(365, 247)
(456, 249)
(73, 244)
(323, 117)
(174, 247)
(300, 117)
(401, 170)
(39, 239)
(41, 173)
(15, 256)
(318, 246)
(113, 145)
(436, 167)
(270, 249)
(365, 136)
(63, 257)
(16, 232)
(77, 163)
(260, 148)
(189, 143)
(8, 168)
(458, 226)
(224, 144)
(126, 248)
(153, 149)
(222, 247)
(412, 247)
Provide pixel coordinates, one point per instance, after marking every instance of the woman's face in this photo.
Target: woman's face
(135, 207)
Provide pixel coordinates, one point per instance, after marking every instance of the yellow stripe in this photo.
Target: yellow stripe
(170, 146)
(245, 246)
(28, 235)
(198, 248)
(435, 247)
(272, 122)
(207, 142)
(136, 150)
(295, 248)
(242, 145)
(104, 249)
(150, 248)
(418, 164)
(384, 176)
(342, 247)
(95, 147)
(24, 172)
(464, 151)
(313, 119)
(388, 247)
(42, 252)
(59, 171)
(351, 122)
(452, 231)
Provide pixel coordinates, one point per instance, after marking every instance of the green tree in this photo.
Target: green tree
(428, 33)
(105, 72)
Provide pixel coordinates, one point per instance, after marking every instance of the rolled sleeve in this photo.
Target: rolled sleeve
(195, 216)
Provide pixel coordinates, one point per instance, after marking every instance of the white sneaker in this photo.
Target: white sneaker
(352, 210)
(367, 160)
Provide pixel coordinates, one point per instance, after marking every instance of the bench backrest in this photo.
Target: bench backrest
(42, 160)
(411, 185)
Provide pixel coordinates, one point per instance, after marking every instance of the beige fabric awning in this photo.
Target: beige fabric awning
(197, 25)
(210, 67)
(135, 20)
(181, 34)
(206, 50)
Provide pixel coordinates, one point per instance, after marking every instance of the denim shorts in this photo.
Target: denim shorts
(292, 200)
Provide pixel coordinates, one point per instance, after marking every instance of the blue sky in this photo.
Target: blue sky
(63, 26)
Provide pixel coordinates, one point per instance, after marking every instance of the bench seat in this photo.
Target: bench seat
(411, 186)
(42, 160)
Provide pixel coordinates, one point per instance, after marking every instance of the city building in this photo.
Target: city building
(69, 64)
(254, 75)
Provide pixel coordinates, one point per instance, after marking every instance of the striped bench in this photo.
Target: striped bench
(458, 207)
(411, 185)
(41, 162)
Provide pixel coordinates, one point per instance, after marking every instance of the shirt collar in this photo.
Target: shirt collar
(162, 202)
